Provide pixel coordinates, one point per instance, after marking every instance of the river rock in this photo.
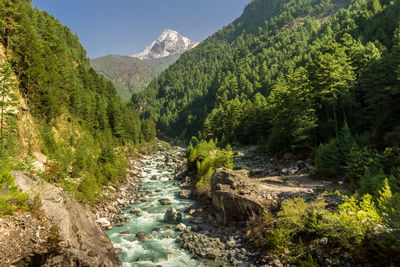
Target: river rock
(165, 201)
(173, 216)
(180, 227)
(104, 223)
(185, 194)
(170, 256)
(125, 233)
(213, 253)
(155, 177)
(142, 236)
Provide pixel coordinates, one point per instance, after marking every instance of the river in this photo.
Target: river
(161, 249)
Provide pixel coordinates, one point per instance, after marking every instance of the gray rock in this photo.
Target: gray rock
(213, 253)
(231, 243)
(181, 227)
(155, 177)
(228, 205)
(80, 238)
(142, 236)
(240, 256)
(172, 216)
(185, 194)
(104, 223)
(165, 201)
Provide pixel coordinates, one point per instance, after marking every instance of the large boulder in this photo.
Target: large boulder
(173, 216)
(229, 202)
(80, 241)
(225, 177)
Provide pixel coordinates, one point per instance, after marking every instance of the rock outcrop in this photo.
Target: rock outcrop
(229, 205)
(80, 242)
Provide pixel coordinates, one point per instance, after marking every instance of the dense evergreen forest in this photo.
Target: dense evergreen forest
(79, 118)
(313, 72)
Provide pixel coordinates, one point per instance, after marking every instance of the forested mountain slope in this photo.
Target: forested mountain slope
(73, 120)
(320, 78)
(309, 67)
(129, 74)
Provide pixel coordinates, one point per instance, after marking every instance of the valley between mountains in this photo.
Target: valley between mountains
(273, 142)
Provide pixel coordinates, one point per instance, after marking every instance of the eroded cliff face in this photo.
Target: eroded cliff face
(76, 239)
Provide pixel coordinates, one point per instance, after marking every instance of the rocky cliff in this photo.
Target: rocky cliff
(75, 238)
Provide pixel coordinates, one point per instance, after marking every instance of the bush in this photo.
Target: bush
(328, 159)
(276, 141)
(352, 223)
(204, 158)
(363, 161)
(371, 184)
(89, 189)
(107, 155)
(10, 198)
(364, 227)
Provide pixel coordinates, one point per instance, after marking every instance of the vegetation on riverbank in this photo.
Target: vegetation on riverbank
(204, 157)
(362, 228)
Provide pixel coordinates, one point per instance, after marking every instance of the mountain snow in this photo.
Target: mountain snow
(169, 43)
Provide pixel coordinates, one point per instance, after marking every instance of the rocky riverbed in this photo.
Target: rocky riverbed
(154, 220)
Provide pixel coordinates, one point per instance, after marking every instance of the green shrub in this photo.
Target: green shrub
(276, 141)
(204, 157)
(359, 226)
(10, 198)
(331, 158)
(107, 155)
(370, 183)
(89, 189)
(328, 159)
(352, 223)
(363, 161)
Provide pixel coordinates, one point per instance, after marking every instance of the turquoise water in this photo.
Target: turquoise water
(161, 249)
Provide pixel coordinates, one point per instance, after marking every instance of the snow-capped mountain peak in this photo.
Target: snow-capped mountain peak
(169, 43)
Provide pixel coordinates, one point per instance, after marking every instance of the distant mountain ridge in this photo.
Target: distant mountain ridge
(169, 43)
(131, 74)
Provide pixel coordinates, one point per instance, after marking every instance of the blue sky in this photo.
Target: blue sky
(126, 27)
